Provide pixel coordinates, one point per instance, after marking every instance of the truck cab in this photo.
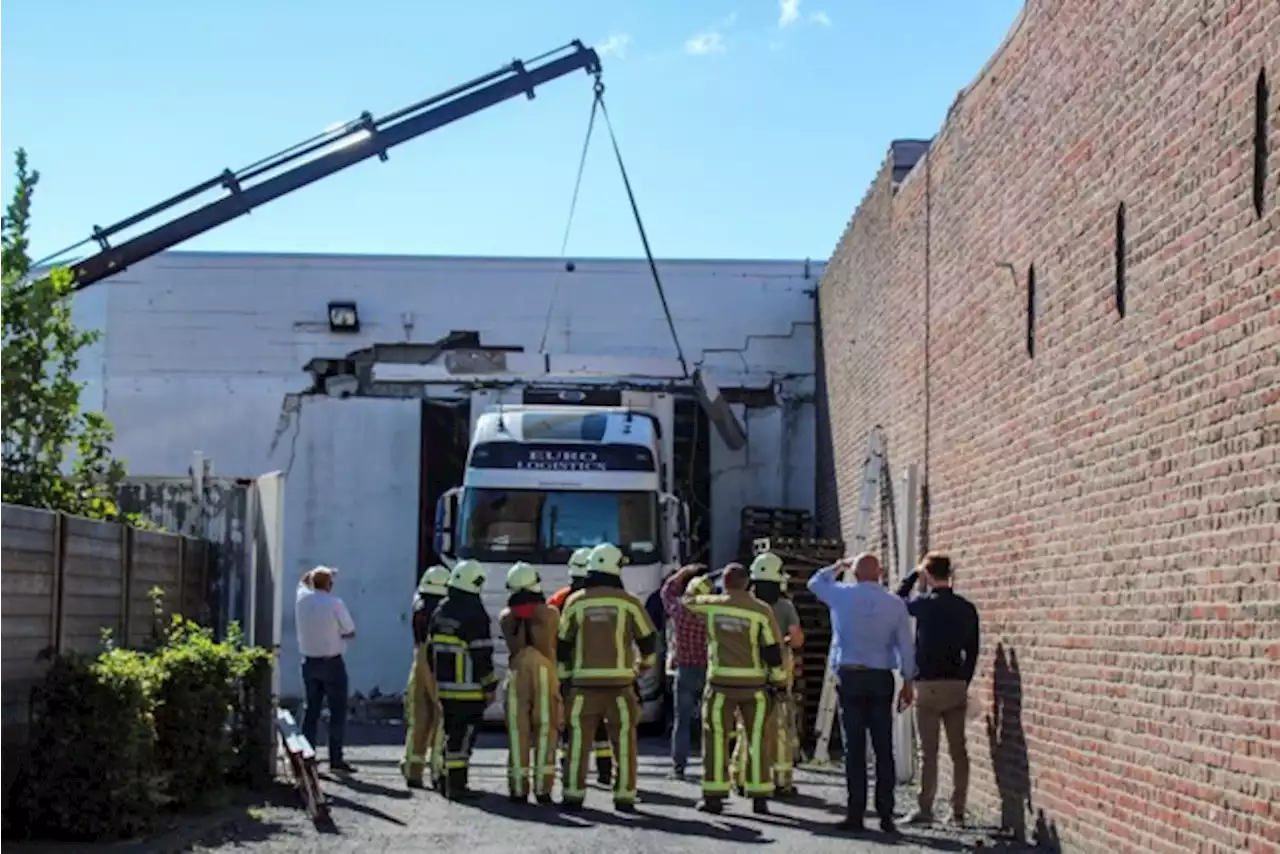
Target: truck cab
(544, 480)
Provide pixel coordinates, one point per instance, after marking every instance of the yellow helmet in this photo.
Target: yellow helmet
(468, 575)
(606, 558)
(578, 562)
(767, 566)
(435, 581)
(522, 576)
(700, 586)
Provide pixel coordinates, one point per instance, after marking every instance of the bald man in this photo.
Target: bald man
(871, 637)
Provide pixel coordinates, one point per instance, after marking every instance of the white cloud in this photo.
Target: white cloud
(820, 18)
(788, 12)
(710, 40)
(704, 44)
(615, 45)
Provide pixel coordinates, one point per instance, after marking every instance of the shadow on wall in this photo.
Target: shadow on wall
(1008, 743)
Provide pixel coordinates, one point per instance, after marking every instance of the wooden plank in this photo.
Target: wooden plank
(36, 563)
(19, 605)
(23, 668)
(40, 627)
(59, 555)
(81, 546)
(87, 586)
(15, 648)
(104, 608)
(86, 643)
(78, 626)
(126, 581)
(101, 567)
(165, 575)
(33, 518)
(26, 540)
(92, 529)
(17, 582)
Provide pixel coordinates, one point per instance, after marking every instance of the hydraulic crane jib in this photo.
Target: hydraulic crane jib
(318, 157)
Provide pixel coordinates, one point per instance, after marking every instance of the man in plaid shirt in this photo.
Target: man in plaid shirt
(689, 658)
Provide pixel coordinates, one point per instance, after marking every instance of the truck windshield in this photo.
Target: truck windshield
(546, 527)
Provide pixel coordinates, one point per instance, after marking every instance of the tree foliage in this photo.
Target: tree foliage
(42, 418)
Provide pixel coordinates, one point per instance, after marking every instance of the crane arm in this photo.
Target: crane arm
(319, 157)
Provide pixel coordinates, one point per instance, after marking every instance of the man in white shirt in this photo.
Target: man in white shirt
(324, 627)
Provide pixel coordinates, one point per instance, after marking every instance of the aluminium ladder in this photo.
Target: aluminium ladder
(828, 704)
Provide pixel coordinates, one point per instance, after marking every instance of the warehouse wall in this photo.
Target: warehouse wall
(1111, 496)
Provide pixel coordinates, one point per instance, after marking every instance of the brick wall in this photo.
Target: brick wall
(1112, 499)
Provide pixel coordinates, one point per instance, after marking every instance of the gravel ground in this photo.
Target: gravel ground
(374, 812)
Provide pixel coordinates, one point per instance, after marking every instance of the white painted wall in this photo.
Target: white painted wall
(200, 350)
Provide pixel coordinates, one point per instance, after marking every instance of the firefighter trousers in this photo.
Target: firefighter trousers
(533, 722)
(461, 719)
(600, 747)
(781, 727)
(618, 710)
(423, 742)
(722, 708)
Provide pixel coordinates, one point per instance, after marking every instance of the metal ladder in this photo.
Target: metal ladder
(828, 702)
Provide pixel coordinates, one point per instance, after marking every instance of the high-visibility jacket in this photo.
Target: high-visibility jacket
(743, 639)
(530, 624)
(462, 648)
(600, 630)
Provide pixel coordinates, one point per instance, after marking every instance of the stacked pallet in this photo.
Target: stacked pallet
(801, 557)
(761, 522)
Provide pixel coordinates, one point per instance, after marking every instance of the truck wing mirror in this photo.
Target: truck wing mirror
(446, 522)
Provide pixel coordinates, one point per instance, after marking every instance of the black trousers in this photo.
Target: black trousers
(462, 719)
(866, 704)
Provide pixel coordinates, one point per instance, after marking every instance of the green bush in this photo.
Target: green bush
(91, 751)
(119, 737)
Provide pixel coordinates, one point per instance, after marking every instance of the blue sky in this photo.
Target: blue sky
(750, 129)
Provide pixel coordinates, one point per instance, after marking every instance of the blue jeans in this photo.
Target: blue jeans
(689, 685)
(866, 703)
(325, 679)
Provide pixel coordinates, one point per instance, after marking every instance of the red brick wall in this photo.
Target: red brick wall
(1112, 502)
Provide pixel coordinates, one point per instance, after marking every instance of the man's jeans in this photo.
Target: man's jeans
(325, 679)
(866, 703)
(689, 685)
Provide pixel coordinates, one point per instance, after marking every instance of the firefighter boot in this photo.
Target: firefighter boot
(455, 786)
(711, 805)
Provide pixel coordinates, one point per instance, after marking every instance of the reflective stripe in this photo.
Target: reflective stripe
(515, 750)
(621, 795)
(574, 784)
(715, 783)
(481, 643)
(544, 732)
(757, 742)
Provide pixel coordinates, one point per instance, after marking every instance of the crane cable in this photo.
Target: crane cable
(598, 104)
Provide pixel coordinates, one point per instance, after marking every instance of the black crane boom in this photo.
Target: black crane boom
(321, 156)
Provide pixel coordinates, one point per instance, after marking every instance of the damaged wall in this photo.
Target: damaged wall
(1100, 449)
(202, 349)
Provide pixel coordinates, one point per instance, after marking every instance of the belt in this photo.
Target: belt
(862, 668)
(322, 657)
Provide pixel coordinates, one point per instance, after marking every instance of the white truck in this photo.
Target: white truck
(544, 480)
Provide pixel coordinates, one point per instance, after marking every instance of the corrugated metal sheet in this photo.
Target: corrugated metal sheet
(219, 515)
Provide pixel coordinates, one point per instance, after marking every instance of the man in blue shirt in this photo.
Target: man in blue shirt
(871, 637)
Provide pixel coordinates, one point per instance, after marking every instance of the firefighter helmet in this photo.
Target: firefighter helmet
(767, 566)
(700, 586)
(435, 581)
(578, 562)
(606, 558)
(468, 575)
(522, 576)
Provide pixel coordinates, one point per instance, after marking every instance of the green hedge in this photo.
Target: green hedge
(120, 737)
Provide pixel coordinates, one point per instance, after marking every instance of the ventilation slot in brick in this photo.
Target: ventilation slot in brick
(1031, 311)
(1261, 110)
(1120, 259)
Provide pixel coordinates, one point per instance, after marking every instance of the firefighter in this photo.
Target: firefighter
(529, 627)
(462, 658)
(421, 703)
(600, 630)
(600, 747)
(768, 584)
(745, 676)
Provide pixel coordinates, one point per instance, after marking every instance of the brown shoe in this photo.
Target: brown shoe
(920, 818)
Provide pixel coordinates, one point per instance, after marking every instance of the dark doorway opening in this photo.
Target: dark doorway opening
(692, 468)
(445, 435)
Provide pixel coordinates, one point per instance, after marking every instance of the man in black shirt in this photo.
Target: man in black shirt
(946, 655)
